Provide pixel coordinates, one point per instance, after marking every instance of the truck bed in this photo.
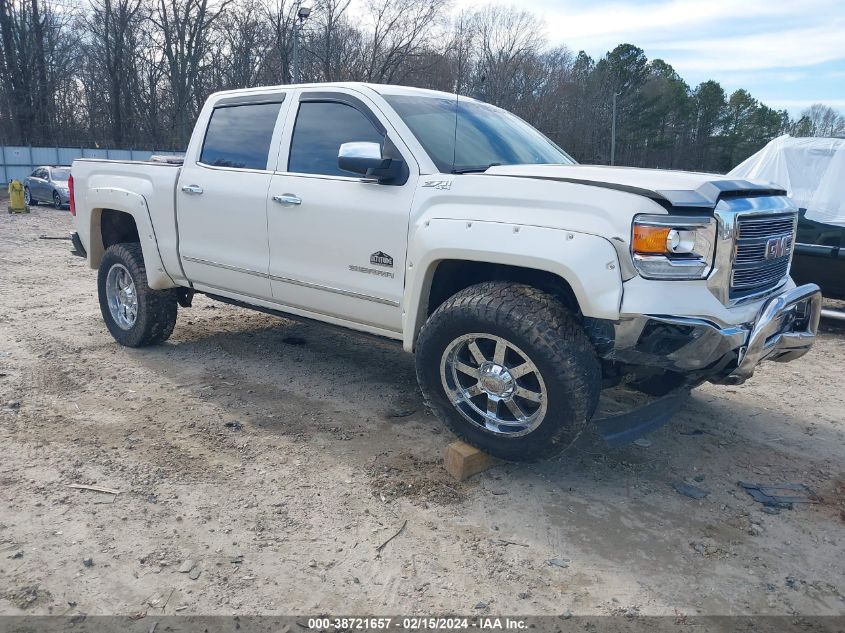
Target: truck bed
(153, 183)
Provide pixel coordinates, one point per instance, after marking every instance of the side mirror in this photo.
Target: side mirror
(365, 158)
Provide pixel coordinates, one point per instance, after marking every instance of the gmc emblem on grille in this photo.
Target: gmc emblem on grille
(777, 247)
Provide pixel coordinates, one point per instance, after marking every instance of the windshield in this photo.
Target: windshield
(485, 135)
(61, 174)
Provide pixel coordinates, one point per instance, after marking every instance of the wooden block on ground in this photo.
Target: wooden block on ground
(463, 461)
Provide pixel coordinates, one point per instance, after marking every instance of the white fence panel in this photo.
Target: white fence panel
(18, 161)
(17, 172)
(95, 153)
(45, 156)
(120, 154)
(16, 155)
(68, 154)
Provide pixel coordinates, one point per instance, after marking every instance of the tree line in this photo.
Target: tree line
(135, 73)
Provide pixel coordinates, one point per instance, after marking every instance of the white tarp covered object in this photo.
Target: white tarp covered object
(812, 170)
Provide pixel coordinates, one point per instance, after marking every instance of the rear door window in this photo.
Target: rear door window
(239, 136)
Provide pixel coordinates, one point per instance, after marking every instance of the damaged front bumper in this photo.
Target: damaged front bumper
(783, 330)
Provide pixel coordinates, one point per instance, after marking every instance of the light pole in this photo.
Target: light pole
(302, 14)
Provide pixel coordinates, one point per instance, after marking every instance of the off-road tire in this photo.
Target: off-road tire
(156, 312)
(541, 326)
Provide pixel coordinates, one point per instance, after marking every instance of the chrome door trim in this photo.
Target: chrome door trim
(301, 308)
(237, 269)
(324, 176)
(295, 282)
(339, 291)
(239, 170)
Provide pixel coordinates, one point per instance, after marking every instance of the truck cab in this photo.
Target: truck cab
(523, 282)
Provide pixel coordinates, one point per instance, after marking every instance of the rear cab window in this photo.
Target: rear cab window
(239, 136)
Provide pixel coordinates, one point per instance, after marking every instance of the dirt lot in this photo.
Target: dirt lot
(275, 457)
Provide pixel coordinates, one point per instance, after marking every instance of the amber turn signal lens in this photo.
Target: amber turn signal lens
(650, 239)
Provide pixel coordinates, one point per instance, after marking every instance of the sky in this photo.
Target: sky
(788, 53)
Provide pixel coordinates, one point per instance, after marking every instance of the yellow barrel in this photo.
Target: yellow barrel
(17, 204)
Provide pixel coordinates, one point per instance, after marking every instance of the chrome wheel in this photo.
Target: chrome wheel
(494, 384)
(121, 297)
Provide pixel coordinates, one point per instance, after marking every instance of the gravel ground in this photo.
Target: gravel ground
(261, 462)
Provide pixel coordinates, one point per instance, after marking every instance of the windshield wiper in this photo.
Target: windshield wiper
(478, 169)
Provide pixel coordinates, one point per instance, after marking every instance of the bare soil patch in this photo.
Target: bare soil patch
(277, 457)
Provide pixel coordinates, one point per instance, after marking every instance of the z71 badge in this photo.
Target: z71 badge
(380, 258)
(443, 185)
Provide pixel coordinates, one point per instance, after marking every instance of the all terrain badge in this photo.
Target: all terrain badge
(380, 258)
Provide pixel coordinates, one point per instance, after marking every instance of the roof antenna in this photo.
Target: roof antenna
(457, 102)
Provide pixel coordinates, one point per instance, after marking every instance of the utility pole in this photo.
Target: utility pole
(613, 132)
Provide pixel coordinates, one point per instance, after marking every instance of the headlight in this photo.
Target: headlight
(672, 247)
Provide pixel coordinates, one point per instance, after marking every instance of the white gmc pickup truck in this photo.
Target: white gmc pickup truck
(523, 282)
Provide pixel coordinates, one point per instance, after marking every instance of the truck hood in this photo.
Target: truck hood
(671, 189)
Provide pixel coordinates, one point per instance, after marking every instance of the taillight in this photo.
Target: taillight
(70, 193)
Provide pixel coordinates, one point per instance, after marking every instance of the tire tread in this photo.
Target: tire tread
(542, 320)
(157, 309)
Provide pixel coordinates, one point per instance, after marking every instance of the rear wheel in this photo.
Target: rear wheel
(28, 199)
(509, 369)
(57, 200)
(135, 315)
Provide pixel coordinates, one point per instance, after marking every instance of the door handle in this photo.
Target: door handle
(192, 189)
(287, 198)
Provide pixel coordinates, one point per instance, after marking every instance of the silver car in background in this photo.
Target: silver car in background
(49, 185)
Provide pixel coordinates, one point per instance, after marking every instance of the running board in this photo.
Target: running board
(839, 315)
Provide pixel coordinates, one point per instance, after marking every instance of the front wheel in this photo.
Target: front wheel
(509, 369)
(135, 315)
(28, 199)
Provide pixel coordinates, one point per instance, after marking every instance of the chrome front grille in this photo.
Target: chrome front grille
(752, 228)
(762, 276)
(763, 252)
